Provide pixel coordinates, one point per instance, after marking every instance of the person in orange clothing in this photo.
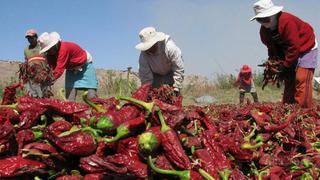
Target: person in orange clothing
(292, 42)
(245, 84)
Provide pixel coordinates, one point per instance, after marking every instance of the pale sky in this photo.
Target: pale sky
(214, 36)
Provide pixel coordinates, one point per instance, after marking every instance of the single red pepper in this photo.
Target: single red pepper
(206, 162)
(16, 165)
(134, 166)
(76, 143)
(172, 146)
(23, 137)
(69, 177)
(98, 164)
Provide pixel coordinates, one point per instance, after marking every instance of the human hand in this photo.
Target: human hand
(176, 91)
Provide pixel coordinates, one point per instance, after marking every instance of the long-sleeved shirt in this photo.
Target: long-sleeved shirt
(167, 59)
(70, 56)
(292, 38)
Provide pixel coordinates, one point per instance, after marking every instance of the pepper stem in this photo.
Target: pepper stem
(262, 173)
(247, 145)
(251, 134)
(206, 175)
(164, 126)
(183, 175)
(224, 174)
(122, 131)
(147, 106)
(92, 104)
(12, 106)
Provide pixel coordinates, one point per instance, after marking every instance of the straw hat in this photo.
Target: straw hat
(48, 40)
(265, 8)
(148, 37)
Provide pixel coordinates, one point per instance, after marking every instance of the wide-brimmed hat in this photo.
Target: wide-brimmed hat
(148, 37)
(245, 69)
(48, 40)
(31, 32)
(265, 8)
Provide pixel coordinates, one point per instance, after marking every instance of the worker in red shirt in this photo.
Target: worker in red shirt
(63, 55)
(246, 84)
(293, 42)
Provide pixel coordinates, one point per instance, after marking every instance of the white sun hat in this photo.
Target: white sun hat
(48, 40)
(148, 37)
(265, 8)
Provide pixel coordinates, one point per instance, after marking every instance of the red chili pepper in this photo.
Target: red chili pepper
(220, 159)
(135, 166)
(9, 94)
(277, 127)
(23, 137)
(77, 143)
(98, 164)
(206, 162)
(172, 146)
(95, 176)
(166, 107)
(16, 165)
(40, 149)
(70, 177)
(128, 156)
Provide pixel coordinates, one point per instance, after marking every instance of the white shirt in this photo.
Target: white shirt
(167, 59)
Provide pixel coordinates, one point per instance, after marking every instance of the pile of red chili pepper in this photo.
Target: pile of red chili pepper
(146, 136)
(271, 73)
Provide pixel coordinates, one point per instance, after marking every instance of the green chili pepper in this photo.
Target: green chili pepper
(147, 142)
(104, 123)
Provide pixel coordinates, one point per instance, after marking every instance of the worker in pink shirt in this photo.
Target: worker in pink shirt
(63, 55)
(291, 41)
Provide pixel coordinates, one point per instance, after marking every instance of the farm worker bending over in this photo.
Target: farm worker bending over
(293, 42)
(35, 72)
(160, 60)
(245, 83)
(61, 55)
